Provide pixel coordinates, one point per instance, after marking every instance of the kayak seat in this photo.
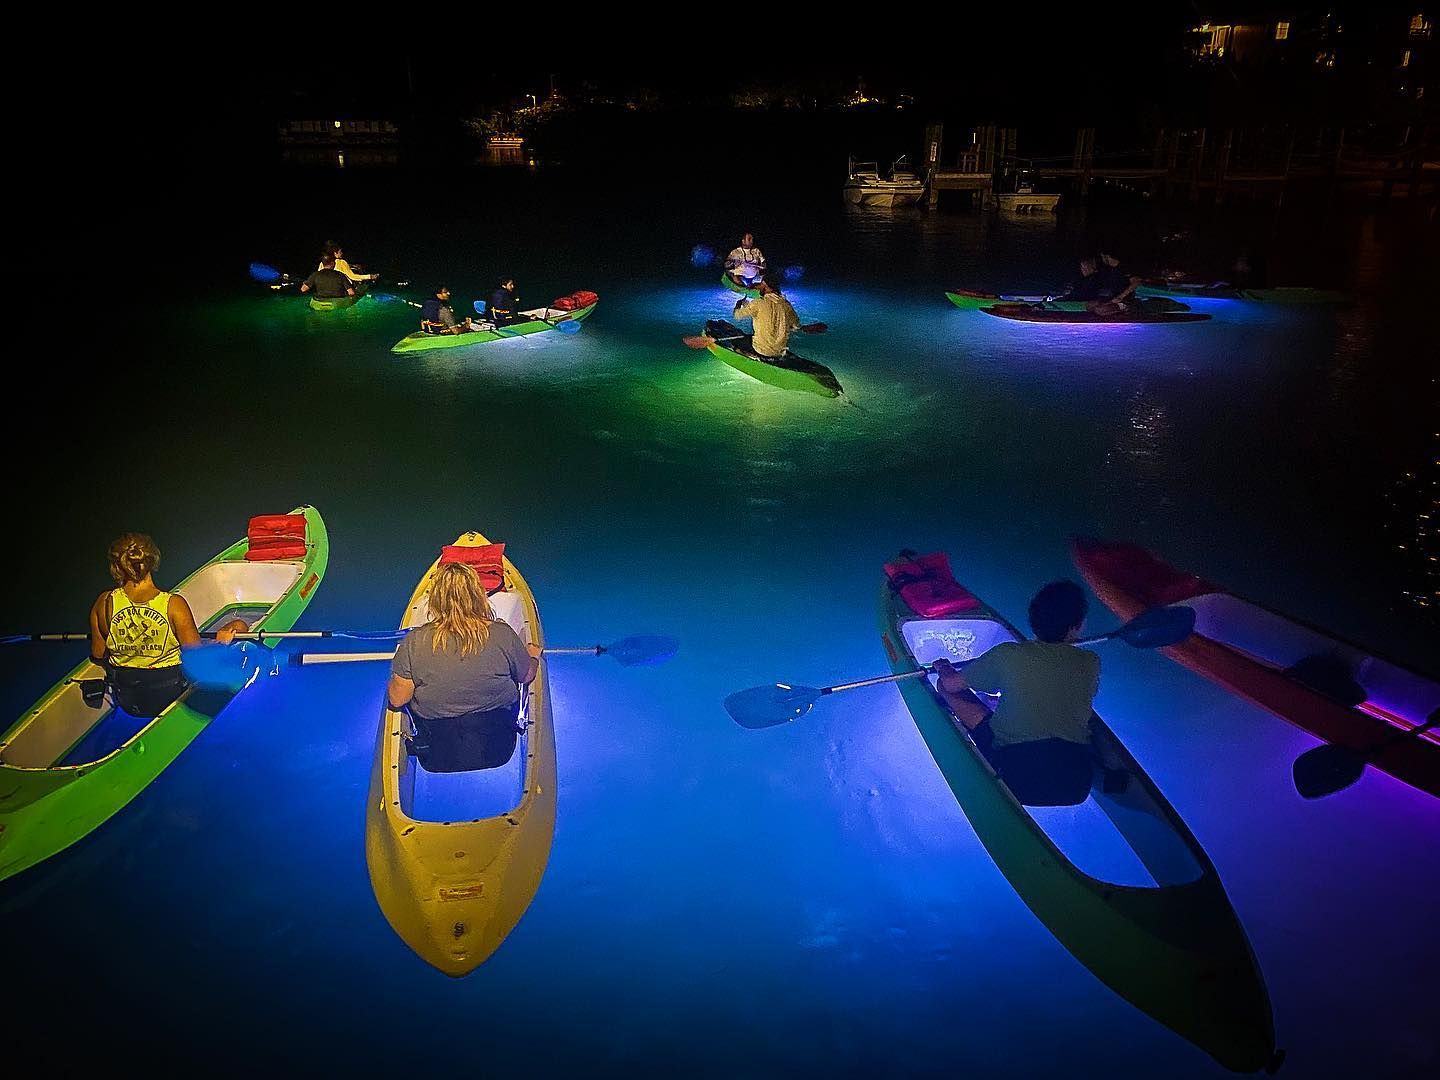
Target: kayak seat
(1047, 772)
(1327, 673)
(478, 740)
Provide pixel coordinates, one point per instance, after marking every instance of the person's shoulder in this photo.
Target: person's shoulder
(505, 630)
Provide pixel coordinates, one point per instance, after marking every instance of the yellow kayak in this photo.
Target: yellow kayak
(455, 859)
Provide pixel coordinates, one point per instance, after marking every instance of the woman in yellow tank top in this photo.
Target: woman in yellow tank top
(137, 630)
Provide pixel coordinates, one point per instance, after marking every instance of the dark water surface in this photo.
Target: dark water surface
(722, 902)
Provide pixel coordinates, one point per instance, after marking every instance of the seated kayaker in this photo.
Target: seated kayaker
(137, 631)
(438, 317)
(327, 283)
(774, 319)
(745, 263)
(333, 250)
(1090, 286)
(504, 304)
(1038, 738)
(459, 676)
(1117, 288)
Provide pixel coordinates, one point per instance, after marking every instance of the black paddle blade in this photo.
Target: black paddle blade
(1326, 770)
(770, 706)
(1159, 627)
(643, 649)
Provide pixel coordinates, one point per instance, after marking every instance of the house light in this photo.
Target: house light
(1282, 31)
(337, 125)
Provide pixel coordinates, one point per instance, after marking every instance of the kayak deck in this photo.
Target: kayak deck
(1174, 949)
(735, 286)
(539, 321)
(971, 300)
(1335, 690)
(1283, 294)
(66, 768)
(789, 372)
(455, 859)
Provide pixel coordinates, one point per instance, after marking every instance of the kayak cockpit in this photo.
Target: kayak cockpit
(1340, 671)
(1122, 834)
(445, 795)
(64, 731)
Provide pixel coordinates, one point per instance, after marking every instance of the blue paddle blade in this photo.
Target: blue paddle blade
(568, 326)
(794, 273)
(643, 649)
(1159, 627)
(223, 667)
(266, 275)
(770, 706)
(481, 307)
(702, 255)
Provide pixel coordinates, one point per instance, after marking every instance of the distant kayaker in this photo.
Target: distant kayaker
(1047, 688)
(1090, 285)
(137, 631)
(438, 317)
(333, 250)
(746, 263)
(327, 283)
(504, 303)
(774, 319)
(459, 676)
(1117, 288)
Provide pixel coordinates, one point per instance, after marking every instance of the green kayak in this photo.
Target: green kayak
(539, 321)
(53, 792)
(789, 372)
(338, 304)
(1285, 294)
(735, 287)
(1174, 949)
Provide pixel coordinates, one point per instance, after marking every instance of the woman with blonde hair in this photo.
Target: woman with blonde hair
(137, 630)
(460, 675)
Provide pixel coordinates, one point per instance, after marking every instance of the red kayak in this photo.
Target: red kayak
(1333, 689)
(1146, 312)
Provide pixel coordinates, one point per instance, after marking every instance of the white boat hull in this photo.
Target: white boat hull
(1028, 203)
(884, 194)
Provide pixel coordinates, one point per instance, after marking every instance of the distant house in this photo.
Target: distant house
(337, 132)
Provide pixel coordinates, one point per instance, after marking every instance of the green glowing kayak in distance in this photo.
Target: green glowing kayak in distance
(1174, 949)
(790, 372)
(538, 323)
(735, 287)
(47, 800)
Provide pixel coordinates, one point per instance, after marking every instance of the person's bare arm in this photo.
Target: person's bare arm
(400, 691)
(97, 632)
(958, 695)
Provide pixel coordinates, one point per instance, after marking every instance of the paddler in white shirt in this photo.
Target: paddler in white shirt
(746, 262)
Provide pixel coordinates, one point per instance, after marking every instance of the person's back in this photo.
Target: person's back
(1047, 690)
(327, 283)
(503, 302)
(449, 683)
(774, 318)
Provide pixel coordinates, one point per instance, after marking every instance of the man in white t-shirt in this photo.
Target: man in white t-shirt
(746, 262)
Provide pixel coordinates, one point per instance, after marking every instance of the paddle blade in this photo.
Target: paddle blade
(813, 328)
(1159, 627)
(643, 650)
(266, 275)
(770, 706)
(222, 667)
(702, 255)
(481, 307)
(698, 341)
(568, 326)
(1326, 770)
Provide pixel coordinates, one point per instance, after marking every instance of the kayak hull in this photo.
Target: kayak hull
(45, 804)
(1175, 950)
(422, 342)
(970, 300)
(791, 372)
(453, 890)
(1298, 295)
(1050, 313)
(338, 304)
(1247, 649)
(735, 287)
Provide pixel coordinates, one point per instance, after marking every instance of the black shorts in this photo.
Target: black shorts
(146, 692)
(477, 740)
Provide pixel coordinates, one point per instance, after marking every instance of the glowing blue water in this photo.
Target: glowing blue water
(721, 902)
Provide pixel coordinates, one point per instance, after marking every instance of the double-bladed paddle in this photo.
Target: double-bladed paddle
(1324, 770)
(704, 341)
(640, 650)
(770, 706)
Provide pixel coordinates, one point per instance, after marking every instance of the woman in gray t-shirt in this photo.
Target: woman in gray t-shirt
(464, 660)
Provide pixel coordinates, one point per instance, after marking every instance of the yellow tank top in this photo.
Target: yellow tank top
(140, 635)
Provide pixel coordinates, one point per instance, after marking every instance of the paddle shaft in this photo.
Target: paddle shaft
(306, 659)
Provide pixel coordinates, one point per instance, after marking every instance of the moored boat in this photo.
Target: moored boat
(58, 780)
(789, 372)
(866, 187)
(1335, 690)
(573, 308)
(456, 858)
(1174, 949)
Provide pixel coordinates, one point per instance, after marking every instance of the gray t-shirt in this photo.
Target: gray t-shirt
(447, 684)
